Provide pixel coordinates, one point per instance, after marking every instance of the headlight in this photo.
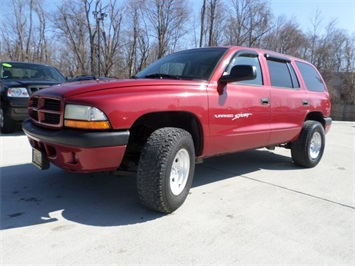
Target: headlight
(17, 92)
(85, 117)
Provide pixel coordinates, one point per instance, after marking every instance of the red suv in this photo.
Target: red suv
(181, 109)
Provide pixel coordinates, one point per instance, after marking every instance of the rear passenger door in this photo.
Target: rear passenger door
(289, 102)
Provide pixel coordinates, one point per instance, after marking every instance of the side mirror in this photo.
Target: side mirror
(239, 73)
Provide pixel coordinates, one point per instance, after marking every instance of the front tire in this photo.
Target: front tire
(165, 170)
(7, 125)
(308, 149)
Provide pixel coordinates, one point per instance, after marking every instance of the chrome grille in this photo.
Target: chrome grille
(45, 111)
(33, 89)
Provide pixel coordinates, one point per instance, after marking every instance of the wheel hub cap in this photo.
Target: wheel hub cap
(179, 172)
(316, 145)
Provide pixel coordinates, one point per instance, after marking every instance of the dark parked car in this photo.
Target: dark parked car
(82, 78)
(18, 80)
(88, 77)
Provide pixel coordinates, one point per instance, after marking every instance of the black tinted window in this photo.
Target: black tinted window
(295, 81)
(311, 77)
(280, 74)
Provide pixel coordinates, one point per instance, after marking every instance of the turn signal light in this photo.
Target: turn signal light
(93, 125)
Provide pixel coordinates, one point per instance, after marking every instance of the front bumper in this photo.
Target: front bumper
(16, 109)
(79, 151)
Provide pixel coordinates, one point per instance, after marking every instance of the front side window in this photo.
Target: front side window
(311, 77)
(250, 59)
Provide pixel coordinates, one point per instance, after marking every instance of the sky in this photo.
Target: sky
(304, 11)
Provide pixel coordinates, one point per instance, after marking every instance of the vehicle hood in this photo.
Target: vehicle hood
(66, 90)
(26, 83)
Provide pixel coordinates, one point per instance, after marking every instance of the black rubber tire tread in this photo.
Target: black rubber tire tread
(9, 125)
(153, 174)
(300, 148)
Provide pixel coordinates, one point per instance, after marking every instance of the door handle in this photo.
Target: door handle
(265, 100)
(304, 102)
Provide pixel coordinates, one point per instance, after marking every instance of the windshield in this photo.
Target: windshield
(29, 71)
(195, 64)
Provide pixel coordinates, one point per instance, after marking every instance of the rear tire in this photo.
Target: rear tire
(308, 149)
(165, 170)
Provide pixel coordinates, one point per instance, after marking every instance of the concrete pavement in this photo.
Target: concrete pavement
(254, 207)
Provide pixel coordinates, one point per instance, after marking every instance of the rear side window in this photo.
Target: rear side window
(282, 74)
(311, 77)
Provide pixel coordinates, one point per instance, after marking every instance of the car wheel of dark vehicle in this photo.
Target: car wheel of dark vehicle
(166, 168)
(308, 149)
(7, 125)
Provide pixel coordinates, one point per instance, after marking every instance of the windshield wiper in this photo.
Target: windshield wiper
(162, 76)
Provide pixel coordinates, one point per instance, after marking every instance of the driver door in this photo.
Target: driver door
(239, 112)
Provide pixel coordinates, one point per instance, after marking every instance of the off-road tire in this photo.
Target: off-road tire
(308, 149)
(167, 155)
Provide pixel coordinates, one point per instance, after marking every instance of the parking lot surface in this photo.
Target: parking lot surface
(253, 207)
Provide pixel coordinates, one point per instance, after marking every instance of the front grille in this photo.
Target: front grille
(52, 119)
(35, 102)
(45, 111)
(32, 89)
(51, 104)
(34, 115)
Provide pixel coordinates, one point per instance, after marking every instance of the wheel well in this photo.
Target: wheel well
(148, 123)
(316, 116)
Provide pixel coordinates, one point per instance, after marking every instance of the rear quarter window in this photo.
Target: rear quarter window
(311, 77)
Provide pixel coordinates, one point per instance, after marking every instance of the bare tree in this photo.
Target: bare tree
(326, 48)
(70, 22)
(92, 33)
(167, 19)
(285, 37)
(20, 28)
(339, 62)
(203, 14)
(111, 36)
(126, 40)
(214, 22)
(349, 54)
(212, 18)
(23, 37)
(313, 36)
(43, 49)
(137, 39)
(248, 22)
(133, 41)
